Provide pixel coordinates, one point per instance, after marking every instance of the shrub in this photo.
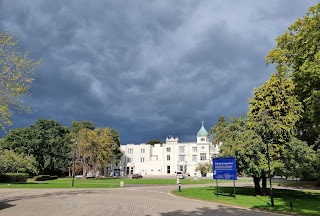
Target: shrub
(13, 177)
(44, 178)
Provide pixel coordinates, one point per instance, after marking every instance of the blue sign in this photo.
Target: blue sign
(224, 168)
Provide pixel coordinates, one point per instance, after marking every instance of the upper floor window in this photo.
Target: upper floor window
(203, 139)
(168, 149)
(203, 156)
(168, 157)
(181, 149)
(194, 158)
(130, 151)
(129, 160)
(182, 158)
(194, 149)
(142, 159)
(142, 151)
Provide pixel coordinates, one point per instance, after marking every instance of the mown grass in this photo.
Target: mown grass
(303, 202)
(100, 183)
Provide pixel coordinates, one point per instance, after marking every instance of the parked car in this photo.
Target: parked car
(136, 176)
(180, 175)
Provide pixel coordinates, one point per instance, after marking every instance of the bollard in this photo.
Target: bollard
(179, 187)
(121, 184)
(178, 180)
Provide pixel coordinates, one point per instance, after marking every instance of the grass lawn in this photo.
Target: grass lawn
(303, 202)
(100, 183)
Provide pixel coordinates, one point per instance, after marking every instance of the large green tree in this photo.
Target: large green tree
(16, 76)
(46, 140)
(297, 53)
(11, 161)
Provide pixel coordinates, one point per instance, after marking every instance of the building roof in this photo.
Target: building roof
(202, 131)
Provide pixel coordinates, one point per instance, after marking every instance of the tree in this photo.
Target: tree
(297, 53)
(46, 140)
(154, 141)
(273, 113)
(77, 126)
(204, 168)
(16, 72)
(95, 148)
(17, 163)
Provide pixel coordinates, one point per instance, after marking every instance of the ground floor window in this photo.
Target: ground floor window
(131, 170)
(168, 169)
(128, 169)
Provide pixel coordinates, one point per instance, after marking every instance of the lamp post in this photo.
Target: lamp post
(73, 167)
(264, 116)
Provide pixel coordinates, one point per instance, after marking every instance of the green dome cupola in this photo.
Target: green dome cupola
(202, 131)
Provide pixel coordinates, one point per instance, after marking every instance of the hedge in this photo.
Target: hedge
(44, 178)
(13, 177)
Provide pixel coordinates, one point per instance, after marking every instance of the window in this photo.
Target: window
(168, 149)
(129, 159)
(130, 151)
(203, 139)
(181, 149)
(203, 156)
(142, 151)
(131, 170)
(168, 157)
(194, 149)
(182, 158)
(142, 159)
(128, 170)
(194, 158)
(168, 169)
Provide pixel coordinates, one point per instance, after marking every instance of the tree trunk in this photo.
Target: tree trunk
(257, 188)
(264, 186)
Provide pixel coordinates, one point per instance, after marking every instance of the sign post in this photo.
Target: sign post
(225, 168)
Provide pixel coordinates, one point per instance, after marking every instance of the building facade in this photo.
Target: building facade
(166, 158)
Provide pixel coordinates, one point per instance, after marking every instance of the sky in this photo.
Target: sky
(148, 68)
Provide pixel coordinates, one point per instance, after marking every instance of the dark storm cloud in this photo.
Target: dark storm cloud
(147, 68)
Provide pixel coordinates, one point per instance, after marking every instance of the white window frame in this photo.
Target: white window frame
(203, 156)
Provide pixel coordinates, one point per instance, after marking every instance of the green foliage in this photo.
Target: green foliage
(96, 148)
(274, 109)
(44, 178)
(77, 126)
(13, 177)
(153, 141)
(298, 53)
(16, 72)
(11, 161)
(46, 140)
(204, 168)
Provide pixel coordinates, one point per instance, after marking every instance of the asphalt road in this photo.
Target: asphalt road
(131, 201)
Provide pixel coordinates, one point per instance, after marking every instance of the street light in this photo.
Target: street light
(264, 117)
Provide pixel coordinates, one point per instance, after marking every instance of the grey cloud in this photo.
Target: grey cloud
(146, 68)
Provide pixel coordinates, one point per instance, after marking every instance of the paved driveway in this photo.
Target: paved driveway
(131, 201)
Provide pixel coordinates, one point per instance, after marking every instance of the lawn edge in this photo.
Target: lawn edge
(275, 212)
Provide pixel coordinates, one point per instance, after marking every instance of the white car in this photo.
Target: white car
(180, 175)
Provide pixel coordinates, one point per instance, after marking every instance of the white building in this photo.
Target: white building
(166, 158)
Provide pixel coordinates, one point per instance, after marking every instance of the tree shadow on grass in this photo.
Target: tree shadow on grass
(302, 201)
